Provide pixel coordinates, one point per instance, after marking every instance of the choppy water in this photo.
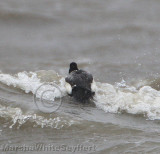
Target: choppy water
(117, 41)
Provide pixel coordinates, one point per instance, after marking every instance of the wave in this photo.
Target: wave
(18, 119)
(117, 98)
(30, 82)
(145, 101)
(25, 15)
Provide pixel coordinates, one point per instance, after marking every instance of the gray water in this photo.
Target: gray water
(113, 40)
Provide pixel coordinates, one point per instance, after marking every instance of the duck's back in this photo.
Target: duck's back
(80, 78)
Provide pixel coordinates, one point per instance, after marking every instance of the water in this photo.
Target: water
(116, 41)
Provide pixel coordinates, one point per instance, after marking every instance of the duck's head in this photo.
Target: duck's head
(73, 67)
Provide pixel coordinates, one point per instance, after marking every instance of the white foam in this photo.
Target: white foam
(145, 101)
(18, 118)
(29, 82)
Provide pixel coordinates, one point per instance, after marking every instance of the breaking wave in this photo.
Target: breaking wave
(17, 118)
(118, 98)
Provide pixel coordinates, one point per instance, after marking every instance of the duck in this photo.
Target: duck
(80, 84)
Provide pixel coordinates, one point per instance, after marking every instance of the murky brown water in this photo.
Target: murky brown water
(113, 40)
